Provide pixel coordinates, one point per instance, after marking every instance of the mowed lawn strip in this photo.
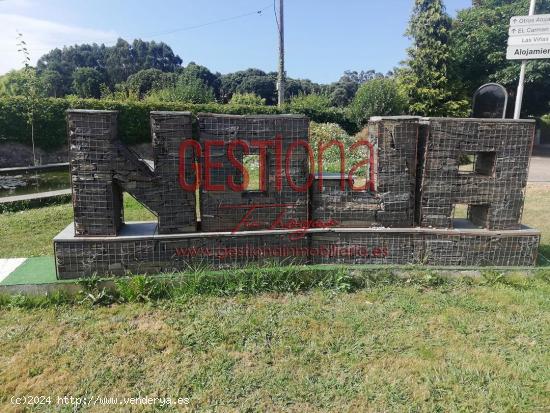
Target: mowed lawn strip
(465, 347)
(536, 214)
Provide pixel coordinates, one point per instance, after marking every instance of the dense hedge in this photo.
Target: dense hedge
(50, 117)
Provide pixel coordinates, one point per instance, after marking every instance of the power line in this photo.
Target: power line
(222, 20)
(226, 19)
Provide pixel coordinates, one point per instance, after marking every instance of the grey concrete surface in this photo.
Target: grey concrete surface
(539, 169)
(36, 196)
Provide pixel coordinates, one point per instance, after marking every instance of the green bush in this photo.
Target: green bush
(246, 99)
(377, 97)
(186, 89)
(319, 109)
(310, 102)
(51, 125)
(322, 134)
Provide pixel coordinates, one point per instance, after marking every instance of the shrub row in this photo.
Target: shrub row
(50, 117)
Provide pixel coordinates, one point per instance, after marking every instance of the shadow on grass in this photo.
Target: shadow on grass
(543, 259)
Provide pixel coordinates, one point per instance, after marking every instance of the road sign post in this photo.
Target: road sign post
(528, 40)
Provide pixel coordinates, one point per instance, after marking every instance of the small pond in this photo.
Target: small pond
(33, 182)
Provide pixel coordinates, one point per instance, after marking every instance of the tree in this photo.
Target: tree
(263, 86)
(125, 59)
(115, 63)
(296, 87)
(121, 62)
(13, 83)
(343, 91)
(51, 83)
(65, 61)
(31, 88)
(231, 81)
(377, 97)
(142, 82)
(424, 77)
(212, 80)
(478, 54)
(87, 82)
(153, 55)
(249, 81)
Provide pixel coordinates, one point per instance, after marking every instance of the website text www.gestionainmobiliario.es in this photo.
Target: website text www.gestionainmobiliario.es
(248, 251)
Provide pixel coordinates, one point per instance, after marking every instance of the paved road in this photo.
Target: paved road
(539, 170)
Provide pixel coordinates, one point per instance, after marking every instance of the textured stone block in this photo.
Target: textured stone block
(494, 190)
(102, 168)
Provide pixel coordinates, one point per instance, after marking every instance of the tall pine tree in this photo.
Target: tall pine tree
(424, 76)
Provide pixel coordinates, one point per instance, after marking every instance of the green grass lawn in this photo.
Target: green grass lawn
(536, 214)
(459, 346)
(29, 233)
(422, 344)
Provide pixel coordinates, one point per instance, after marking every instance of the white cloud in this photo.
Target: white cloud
(41, 36)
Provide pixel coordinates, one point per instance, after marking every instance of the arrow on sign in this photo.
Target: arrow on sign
(532, 30)
(530, 20)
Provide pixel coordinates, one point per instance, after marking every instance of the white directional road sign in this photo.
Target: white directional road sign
(529, 37)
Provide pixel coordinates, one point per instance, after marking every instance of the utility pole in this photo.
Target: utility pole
(281, 76)
(519, 94)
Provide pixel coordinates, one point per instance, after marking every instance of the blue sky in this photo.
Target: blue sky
(323, 38)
